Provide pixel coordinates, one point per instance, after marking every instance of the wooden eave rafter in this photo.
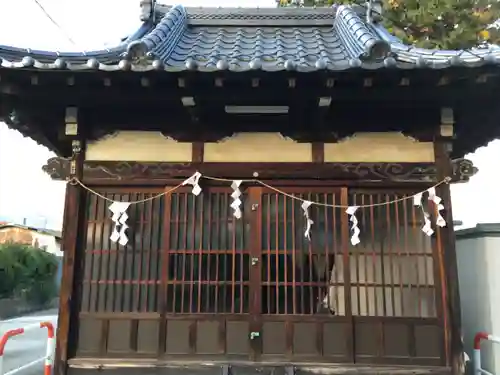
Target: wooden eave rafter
(25, 81)
(38, 124)
(310, 119)
(153, 94)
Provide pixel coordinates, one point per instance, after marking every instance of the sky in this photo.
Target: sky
(27, 192)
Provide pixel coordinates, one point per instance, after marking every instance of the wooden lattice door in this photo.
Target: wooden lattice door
(256, 288)
(195, 283)
(207, 308)
(301, 313)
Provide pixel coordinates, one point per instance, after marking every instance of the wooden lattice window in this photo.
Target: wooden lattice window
(123, 278)
(392, 269)
(188, 255)
(209, 257)
(301, 276)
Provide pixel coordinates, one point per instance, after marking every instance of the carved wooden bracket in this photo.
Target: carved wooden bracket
(139, 172)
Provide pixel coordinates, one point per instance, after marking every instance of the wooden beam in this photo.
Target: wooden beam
(198, 152)
(318, 152)
(446, 243)
(162, 173)
(66, 334)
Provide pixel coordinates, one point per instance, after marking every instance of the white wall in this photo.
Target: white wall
(478, 257)
(48, 243)
(260, 147)
(51, 245)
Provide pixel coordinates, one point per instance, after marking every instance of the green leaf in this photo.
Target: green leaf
(446, 24)
(28, 272)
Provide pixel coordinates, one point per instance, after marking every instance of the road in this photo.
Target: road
(29, 346)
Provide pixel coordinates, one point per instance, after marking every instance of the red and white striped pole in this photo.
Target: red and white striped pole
(3, 341)
(476, 356)
(51, 345)
(49, 356)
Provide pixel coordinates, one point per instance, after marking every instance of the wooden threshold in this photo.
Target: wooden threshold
(129, 366)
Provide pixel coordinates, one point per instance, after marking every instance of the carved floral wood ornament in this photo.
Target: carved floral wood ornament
(139, 172)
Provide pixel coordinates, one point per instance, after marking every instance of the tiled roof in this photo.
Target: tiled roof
(49, 232)
(239, 39)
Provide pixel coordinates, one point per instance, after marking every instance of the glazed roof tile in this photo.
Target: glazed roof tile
(240, 39)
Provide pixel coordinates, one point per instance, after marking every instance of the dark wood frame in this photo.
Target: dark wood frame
(256, 323)
(66, 335)
(446, 245)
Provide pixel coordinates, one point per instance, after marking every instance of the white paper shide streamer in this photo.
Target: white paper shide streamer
(236, 194)
(351, 211)
(194, 182)
(119, 210)
(417, 199)
(305, 207)
(440, 221)
(427, 227)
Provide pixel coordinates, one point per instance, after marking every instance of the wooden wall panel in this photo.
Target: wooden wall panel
(304, 343)
(305, 339)
(428, 340)
(147, 336)
(237, 338)
(274, 338)
(336, 337)
(178, 337)
(89, 335)
(119, 333)
(398, 341)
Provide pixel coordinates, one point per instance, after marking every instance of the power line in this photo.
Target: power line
(54, 22)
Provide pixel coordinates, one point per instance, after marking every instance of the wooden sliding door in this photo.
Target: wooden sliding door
(118, 287)
(195, 283)
(206, 278)
(395, 289)
(303, 315)
(255, 288)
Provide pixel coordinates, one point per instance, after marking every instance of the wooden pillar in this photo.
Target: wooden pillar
(72, 213)
(446, 238)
